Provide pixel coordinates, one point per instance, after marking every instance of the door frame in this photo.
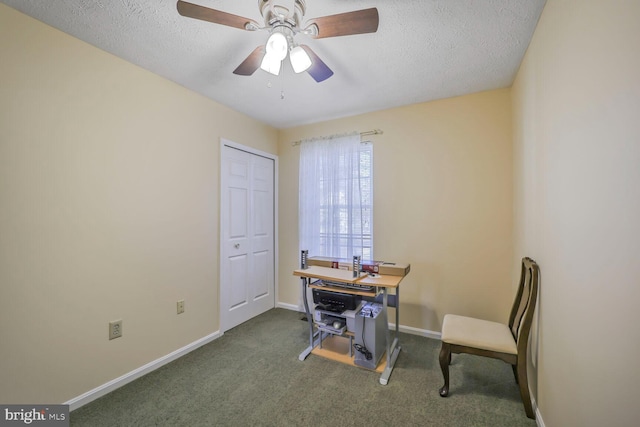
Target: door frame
(227, 143)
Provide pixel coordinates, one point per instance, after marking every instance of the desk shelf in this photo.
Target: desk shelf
(336, 348)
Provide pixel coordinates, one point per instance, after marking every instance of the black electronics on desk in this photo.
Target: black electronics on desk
(335, 301)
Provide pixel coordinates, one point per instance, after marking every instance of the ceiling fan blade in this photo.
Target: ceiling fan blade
(318, 70)
(195, 11)
(345, 24)
(252, 63)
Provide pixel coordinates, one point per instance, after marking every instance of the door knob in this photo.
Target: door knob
(237, 245)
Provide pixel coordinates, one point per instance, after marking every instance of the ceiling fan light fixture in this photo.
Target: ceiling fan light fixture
(300, 60)
(271, 64)
(277, 45)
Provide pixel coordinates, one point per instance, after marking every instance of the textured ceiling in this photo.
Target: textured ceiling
(423, 50)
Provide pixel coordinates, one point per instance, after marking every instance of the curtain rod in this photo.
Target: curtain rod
(367, 133)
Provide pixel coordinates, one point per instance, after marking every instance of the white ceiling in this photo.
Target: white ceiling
(423, 50)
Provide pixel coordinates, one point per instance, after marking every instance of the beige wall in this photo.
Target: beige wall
(443, 202)
(577, 181)
(108, 209)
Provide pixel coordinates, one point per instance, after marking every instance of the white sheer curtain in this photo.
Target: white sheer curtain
(334, 214)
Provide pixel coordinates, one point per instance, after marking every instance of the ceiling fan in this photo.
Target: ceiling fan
(283, 25)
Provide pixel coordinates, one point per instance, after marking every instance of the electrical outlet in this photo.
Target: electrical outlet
(180, 306)
(115, 329)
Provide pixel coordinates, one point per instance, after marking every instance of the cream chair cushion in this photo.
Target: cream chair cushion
(483, 334)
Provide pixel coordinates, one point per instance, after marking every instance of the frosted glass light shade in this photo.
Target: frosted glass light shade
(300, 60)
(271, 64)
(277, 46)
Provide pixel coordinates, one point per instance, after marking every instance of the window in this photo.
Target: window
(336, 197)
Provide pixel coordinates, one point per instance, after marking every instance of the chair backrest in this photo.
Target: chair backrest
(525, 303)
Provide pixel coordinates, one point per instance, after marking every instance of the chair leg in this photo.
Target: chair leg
(515, 373)
(523, 382)
(445, 360)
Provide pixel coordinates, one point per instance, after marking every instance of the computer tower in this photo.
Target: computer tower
(370, 335)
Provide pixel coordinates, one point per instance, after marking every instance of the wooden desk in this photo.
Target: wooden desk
(334, 349)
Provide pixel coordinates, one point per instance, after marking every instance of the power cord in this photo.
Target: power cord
(363, 348)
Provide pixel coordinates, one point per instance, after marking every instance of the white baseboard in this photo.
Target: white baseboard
(536, 411)
(291, 307)
(114, 384)
(416, 331)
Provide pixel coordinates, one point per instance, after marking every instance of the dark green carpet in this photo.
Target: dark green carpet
(252, 377)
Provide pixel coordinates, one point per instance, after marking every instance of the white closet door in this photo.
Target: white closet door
(247, 286)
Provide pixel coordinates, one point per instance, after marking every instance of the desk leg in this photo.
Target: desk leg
(392, 356)
(397, 311)
(312, 344)
(393, 349)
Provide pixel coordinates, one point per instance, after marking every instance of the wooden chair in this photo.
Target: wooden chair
(496, 340)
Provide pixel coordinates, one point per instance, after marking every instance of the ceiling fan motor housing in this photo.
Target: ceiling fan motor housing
(274, 13)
